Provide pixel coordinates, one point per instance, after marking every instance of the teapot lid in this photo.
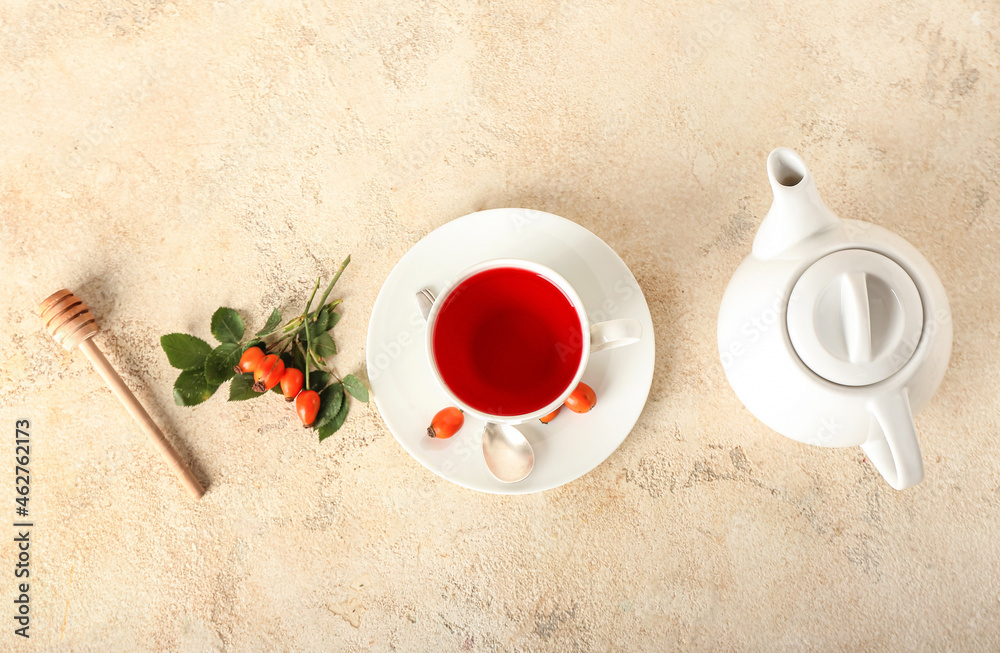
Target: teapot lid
(855, 317)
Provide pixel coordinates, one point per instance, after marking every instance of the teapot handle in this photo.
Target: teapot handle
(896, 454)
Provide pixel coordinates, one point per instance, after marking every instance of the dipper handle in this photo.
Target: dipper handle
(70, 322)
(139, 414)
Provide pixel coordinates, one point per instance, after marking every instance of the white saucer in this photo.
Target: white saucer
(407, 395)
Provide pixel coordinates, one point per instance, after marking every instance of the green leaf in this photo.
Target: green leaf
(356, 388)
(185, 352)
(331, 427)
(315, 331)
(322, 315)
(191, 388)
(317, 328)
(326, 318)
(323, 346)
(227, 325)
(241, 388)
(220, 363)
(318, 379)
(330, 401)
(271, 324)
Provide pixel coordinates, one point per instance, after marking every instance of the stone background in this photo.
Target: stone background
(165, 158)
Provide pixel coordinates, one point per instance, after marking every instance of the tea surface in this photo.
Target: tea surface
(507, 341)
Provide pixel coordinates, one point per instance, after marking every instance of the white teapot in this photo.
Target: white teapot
(835, 332)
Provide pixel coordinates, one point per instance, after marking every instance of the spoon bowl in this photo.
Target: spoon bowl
(508, 453)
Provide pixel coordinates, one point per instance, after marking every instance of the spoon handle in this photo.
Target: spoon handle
(425, 300)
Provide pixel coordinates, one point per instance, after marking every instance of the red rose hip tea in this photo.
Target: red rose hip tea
(507, 341)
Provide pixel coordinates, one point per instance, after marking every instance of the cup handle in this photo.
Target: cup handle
(896, 455)
(614, 333)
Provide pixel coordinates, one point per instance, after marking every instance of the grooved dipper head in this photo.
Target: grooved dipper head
(67, 318)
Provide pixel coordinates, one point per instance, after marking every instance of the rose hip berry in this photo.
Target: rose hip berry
(268, 373)
(291, 383)
(446, 423)
(545, 419)
(250, 359)
(307, 405)
(582, 399)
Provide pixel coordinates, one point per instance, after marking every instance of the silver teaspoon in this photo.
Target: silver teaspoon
(508, 454)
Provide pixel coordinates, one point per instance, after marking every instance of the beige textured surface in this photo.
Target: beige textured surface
(162, 159)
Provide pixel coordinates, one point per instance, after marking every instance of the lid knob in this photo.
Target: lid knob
(855, 317)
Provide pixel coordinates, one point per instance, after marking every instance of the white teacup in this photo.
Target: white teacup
(596, 337)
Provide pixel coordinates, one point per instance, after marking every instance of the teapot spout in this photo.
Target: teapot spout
(797, 212)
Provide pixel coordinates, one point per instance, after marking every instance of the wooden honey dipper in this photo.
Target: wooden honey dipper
(72, 324)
